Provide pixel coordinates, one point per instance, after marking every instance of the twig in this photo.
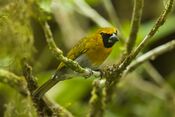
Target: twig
(14, 81)
(163, 92)
(161, 20)
(111, 12)
(68, 24)
(152, 54)
(145, 86)
(154, 74)
(59, 55)
(159, 80)
(58, 111)
(44, 106)
(96, 101)
(86, 10)
(136, 18)
(114, 18)
(157, 25)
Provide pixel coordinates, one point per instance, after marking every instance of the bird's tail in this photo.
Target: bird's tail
(39, 92)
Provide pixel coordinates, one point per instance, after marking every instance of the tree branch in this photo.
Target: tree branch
(154, 29)
(136, 18)
(14, 81)
(111, 12)
(44, 106)
(96, 101)
(152, 54)
(161, 20)
(85, 9)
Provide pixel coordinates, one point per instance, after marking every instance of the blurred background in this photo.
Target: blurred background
(147, 92)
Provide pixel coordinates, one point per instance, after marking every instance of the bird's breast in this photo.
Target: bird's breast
(98, 54)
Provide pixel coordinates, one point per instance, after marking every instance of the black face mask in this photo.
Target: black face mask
(109, 39)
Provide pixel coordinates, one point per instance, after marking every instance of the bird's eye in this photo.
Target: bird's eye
(110, 40)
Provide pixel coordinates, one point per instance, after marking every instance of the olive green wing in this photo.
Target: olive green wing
(79, 49)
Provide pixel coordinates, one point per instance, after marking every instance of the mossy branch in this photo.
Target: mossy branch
(160, 21)
(44, 106)
(154, 29)
(16, 82)
(96, 101)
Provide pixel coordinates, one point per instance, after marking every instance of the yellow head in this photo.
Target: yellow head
(109, 36)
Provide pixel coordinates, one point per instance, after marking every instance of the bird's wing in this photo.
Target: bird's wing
(80, 48)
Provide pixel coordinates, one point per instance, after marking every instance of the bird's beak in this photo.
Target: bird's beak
(114, 37)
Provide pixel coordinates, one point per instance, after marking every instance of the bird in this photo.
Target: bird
(90, 52)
